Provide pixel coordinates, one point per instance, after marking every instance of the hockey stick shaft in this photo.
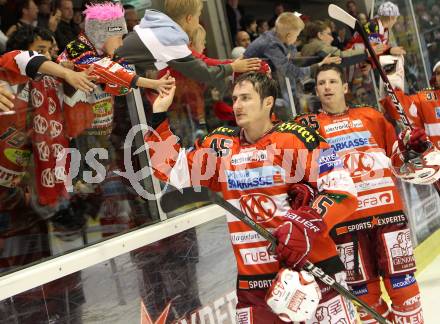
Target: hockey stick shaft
(172, 202)
(339, 14)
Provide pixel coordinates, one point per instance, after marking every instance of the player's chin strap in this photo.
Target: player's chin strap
(178, 198)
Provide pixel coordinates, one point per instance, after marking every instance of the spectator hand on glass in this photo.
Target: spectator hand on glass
(330, 60)
(242, 65)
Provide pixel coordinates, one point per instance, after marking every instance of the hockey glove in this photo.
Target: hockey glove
(412, 139)
(300, 194)
(293, 296)
(296, 235)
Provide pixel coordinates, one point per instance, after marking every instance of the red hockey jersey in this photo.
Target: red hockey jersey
(363, 139)
(255, 178)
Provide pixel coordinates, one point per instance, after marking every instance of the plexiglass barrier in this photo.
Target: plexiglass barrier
(188, 277)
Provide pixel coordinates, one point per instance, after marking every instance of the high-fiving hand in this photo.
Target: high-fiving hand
(6, 97)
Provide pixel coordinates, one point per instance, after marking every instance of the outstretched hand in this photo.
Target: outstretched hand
(330, 60)
(81, 80)
(164, 101)
(6, 98)
(164, 84)
(242, 65)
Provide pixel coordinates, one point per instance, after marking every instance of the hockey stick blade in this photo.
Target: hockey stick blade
(175, 199)
(339, 14)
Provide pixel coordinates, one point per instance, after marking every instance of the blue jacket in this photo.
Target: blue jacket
(270, 47)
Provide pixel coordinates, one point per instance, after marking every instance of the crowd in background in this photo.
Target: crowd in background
(199, 108)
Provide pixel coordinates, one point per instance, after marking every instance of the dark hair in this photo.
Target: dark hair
(247, 21)
(328, 67)
(21, 4)
(314, 27)
(25, 35)
(128, 6)
(260, 22)
(264, 85)
(350, 1)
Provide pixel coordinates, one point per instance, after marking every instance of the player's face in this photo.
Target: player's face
(249, 110)
(330, 90)
(111, 44)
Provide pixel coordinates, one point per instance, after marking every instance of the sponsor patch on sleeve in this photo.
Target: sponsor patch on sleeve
(328, 161)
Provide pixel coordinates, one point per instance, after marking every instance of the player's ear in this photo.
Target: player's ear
(345, 87)
(268, 102)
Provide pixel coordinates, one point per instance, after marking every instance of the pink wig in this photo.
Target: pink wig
(103, 11)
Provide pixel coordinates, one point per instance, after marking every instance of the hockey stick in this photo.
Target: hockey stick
(176, 199)
(340, 15)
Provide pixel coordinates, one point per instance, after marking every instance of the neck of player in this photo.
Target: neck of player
(335, 109)
(255, 132)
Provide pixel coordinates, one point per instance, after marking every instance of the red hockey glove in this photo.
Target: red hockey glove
(414, 139)
(296, 235)
(300, 194)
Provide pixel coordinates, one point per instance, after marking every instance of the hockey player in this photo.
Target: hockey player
(427, 102)
(421, 110)
(254, 166)
(370, 241)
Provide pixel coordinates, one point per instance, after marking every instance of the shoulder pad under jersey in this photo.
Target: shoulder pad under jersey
(225, 130)
(429, 94)
(308, 136)
(302, 114)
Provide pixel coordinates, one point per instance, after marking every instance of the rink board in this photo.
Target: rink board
(192, 272)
